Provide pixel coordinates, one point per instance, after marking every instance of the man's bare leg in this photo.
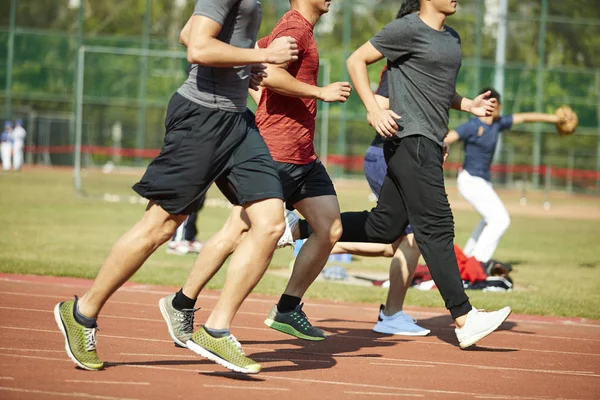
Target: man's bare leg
(215, 252)
(249, 261)
(402, 269)
(323, 215)
(127, 256)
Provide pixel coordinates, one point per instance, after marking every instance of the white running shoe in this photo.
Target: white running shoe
(195, 245)
(398, 324)
(479, 324)
(180, 248)
(287, 239)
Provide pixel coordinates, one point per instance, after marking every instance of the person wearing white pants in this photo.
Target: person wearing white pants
(480, 137)
(6, 140)
(19, 134)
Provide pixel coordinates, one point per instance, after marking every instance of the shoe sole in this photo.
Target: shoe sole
(478, 337)
(165, 316)
(201, 351)
(290, 330)
(400, 333)
(62, 328)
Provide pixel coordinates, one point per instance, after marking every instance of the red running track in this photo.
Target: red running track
(529, 358)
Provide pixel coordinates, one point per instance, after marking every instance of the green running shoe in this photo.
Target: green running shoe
(294, 323)
(179, 323)
(226, 351)
(80, 342)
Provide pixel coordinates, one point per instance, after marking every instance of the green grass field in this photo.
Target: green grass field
(48, 230)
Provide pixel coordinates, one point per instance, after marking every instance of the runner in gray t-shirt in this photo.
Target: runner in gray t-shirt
(424, 58)
(210, 137)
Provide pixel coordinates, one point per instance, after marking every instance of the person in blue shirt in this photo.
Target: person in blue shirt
(480, 137)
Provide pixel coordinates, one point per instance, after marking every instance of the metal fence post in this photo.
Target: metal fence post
(80, 20)
(539, 101)
(347, 32)
(9, 60)
(478, 43)
(570, 167)
(141, 123)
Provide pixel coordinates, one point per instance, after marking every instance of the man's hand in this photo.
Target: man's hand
(257, 74)
(281, 50)
(482, 106)
(446, 150)
(335, 92)
(384, 121)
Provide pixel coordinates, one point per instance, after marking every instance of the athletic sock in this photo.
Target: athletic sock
(182, 302)
(82, 319)
(217, 333)
(288, 303)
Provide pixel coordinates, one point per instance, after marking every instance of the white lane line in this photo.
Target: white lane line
(293, 360)
(159, 355)
(393, 361)
(489, 367)
(7, 378)
(268, 376)
(33, 350)
(308, 303)
(405, 365)
(385, 394)
(244, 387)
(108, 382)
(65, 394)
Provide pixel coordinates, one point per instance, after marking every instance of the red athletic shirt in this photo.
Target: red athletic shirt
(287, 123)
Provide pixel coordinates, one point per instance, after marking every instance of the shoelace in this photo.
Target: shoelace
(186, 317)
(90, 338)
(236, 344)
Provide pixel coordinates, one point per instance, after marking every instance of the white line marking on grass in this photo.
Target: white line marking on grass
(244, 387)
(65, 394)
(108, 382)
(385, 394)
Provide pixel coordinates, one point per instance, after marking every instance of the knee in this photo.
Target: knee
(335, 231)
(270, 228)
(329, 230)
(501, 222)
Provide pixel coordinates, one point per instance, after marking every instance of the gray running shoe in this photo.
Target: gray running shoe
(294, 323)
(179, 323)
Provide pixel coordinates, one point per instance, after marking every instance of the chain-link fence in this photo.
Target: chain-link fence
(538, 54)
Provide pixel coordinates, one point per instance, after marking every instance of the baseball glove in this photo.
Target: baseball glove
(567, 121)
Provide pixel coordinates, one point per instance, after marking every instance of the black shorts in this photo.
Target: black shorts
(302, 181)
(205, 145)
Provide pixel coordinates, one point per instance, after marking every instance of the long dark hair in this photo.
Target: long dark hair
(408, 7)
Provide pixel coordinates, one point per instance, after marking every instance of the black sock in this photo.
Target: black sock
(217, 333)
(304, 229)
(288, 303)
(82, 319)
(181, 301)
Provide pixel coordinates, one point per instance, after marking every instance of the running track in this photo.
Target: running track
(530, 358)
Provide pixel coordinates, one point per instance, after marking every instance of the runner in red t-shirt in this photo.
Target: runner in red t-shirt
(287, 108)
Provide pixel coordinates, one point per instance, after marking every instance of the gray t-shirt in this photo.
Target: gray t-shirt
(225, 88)
(423, 64)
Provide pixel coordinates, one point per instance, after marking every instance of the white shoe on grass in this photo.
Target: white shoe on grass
(479, 324)
(287, 239)
(398, 324)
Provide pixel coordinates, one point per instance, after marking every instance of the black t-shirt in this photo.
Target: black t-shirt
(423, 65)
(384, 91)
